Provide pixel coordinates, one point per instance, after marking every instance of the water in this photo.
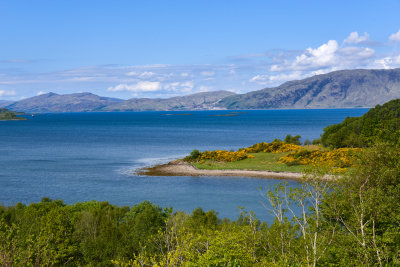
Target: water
(92, 156)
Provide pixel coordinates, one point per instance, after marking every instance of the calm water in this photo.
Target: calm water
(91, 156)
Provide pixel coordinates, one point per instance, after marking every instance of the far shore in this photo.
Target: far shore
(181, 168)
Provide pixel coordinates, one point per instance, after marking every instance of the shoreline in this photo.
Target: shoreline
(181, 168)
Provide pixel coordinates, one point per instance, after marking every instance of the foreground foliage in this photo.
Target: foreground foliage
(354, 221)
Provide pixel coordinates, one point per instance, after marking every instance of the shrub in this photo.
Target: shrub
(338, 158)
(195, 154)
(274, 147)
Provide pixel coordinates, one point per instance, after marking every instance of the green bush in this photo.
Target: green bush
(195, 154)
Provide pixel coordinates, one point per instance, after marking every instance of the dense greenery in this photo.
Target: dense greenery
(379, 124)
(354, 221)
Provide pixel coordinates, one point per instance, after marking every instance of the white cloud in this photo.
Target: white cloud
(286, 77)
(207, 73)
(132, 73)
(143, 86)
(183, 87)
(326, 57)
(323, 56)
(146, 74)
(259, 78)
(6, 93)
(395, 37)
(354, 38)
(184, 74)
(265, 79)
(40, 93)
(388, 62)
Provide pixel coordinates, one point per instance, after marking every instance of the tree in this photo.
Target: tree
(366, 205)
(292, 139)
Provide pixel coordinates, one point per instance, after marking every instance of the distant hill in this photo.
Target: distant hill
(199, 101)
(339, 89)
(52, 102)
(379, 124)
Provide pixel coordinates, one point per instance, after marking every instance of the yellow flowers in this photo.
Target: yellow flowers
(224, 155)
(340, 159)
(274, 147)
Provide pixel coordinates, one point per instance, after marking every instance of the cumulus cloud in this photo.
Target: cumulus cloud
(354, 38)
(142, 86)
(327, 56)
(7, 93)
(40, 93)
(395, 37)
(323, 56)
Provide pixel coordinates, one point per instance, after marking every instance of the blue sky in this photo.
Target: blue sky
(150, 48)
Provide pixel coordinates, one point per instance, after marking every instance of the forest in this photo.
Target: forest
(352, 219)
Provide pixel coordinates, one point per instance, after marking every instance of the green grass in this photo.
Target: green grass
(261, 162)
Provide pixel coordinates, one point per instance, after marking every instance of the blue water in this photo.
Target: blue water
(92, 156)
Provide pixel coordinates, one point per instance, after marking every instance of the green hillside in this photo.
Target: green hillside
(380, 124)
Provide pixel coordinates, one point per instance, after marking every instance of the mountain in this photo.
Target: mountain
(52, 102)
(199, 101)
(339, 89)
(4, 103)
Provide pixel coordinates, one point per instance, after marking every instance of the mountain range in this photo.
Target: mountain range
(338, 89)
(52, 102)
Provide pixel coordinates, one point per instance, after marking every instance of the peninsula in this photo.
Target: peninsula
(338, 149)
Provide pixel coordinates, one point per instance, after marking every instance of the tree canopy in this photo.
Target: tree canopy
(379, 124)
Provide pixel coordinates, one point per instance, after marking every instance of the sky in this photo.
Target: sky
(159, 49)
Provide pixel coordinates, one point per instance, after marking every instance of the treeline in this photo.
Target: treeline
(379, 124)
(354, 221)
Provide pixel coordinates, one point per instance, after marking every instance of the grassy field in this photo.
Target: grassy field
(261, 162)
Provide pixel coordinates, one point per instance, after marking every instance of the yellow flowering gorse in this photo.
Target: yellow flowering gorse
(224, 155)
(274, 147)
(340, 158)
